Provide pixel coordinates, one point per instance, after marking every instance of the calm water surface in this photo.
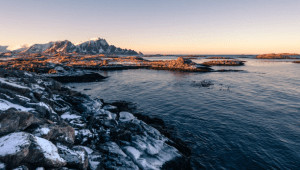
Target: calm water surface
(245, 120)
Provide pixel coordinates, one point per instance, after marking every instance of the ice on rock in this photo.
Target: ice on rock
(126, 116)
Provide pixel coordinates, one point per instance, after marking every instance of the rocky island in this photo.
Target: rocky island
(278, 56)
(224, 63)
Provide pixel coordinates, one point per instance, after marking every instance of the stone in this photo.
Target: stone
(13, 120)
(75, 158)
(21, 147)
(53, 132)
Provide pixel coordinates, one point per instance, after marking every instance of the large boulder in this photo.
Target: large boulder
(13, 120)
(20, 147)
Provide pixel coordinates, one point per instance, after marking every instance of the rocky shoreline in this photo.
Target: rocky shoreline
(45, 124)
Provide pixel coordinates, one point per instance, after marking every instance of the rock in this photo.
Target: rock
(95, 159)
(278, 56)
(14, 148)
(111, 140)
(13, 120)
(21, 147)
(86, 77)
(60, 133)
(45, 153)
(146, 146)
(115, 158)
(76, 158)
(125, 116)
(224, 63)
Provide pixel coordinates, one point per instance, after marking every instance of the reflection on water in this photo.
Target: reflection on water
(245, 120)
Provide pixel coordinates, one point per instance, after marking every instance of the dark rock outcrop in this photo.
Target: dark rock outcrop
(86, 77)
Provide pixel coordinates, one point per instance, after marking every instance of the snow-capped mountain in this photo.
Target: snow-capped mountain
(38, 48)
(95, 46)
(61, 46)
(3, 49)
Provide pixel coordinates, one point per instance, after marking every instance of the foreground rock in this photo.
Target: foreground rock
(19, 148)
(44, 124)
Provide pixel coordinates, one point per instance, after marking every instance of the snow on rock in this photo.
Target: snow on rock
(41, 131)
(126, 116)
(2, 166)
(23, 147)
(4, 105)
(14, 144)
(17, 86)
(56, 132)
(116, 159)
(69, 116)
(50, 153)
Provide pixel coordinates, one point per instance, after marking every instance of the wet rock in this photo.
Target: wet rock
(21, 147)
(203, 83)
(13, 120)
(75, 158)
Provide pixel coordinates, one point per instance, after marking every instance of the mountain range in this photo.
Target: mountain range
(95, 46)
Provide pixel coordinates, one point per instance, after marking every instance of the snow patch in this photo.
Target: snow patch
(69, 116)
(4, 81)
(13, 143)
(4, 105)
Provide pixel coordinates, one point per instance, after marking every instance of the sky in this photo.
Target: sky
(157, 26)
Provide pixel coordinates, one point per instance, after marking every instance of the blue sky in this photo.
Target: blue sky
(157, 26)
